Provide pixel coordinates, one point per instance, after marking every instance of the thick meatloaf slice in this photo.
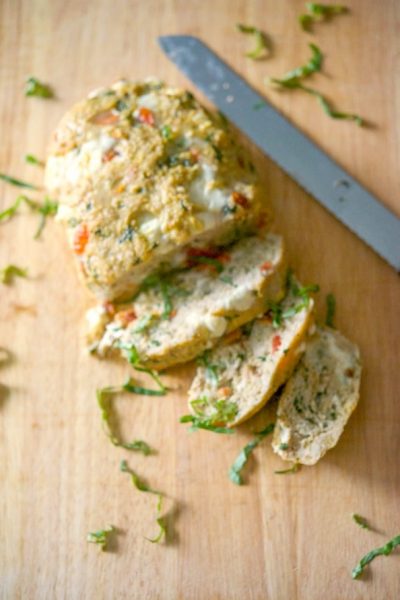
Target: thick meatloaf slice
(318, 399)
(236, 379)
(176, 317)
(141, 171)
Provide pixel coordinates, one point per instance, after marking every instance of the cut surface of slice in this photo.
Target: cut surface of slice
(318, 399)
(247, 372)
(141, 171)
(176, 317)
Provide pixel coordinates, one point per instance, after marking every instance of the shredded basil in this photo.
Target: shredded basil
(132, 388)
(293, 77)
(381, 551)
(222, 411)
(166, 289)
(137, 482)
(204, 423)
(323, 102)
(142, 486)
(49, 208)
(104, 401)
(100, 537)
(330, 310)
(318, 12)
(8, 274)
(361, 521)
(327, 108)
(211, 369)
(212, 262)
(166, 132)
(33, 160)
(133, 358)
(144, 323)
(160, 522)
(296, 467)
(35, 88)
(243, 456)
(293, 80)
(261, 45)
(277, 310)
(17, 182)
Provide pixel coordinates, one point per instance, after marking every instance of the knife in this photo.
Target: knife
(296, 154)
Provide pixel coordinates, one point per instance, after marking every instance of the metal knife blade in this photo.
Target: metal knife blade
(297, 155)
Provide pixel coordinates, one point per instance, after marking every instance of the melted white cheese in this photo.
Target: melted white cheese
(216, 325)
(203, 194)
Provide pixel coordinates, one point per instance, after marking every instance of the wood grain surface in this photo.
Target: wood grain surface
(277, 537)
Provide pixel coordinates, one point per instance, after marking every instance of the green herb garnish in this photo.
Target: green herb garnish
(302, 292)
(222, 411)
(166, 290)
(296, 467)
(35, 88)
(47, 209)
(243, 456)
(104, 401)
(8, 273)
(144, 323)
(228, 279)
(13, 209)
(277, 310)
(261, 47)
(17, 182)
(381, 551)
(133, 358)
(160, 522)
(142, 486)
(166, 132)
(323, 102)
(100, 537)
(137, 482)
(212, 262)
(330, 310)
(293, 80)
(211, 369)
(318, 12)
(361, 521)
(33, 160)
(132, 388)
(204, 423)
(327, 108)
(293, 77)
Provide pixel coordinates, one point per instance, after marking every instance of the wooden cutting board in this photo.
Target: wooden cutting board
(277, 537)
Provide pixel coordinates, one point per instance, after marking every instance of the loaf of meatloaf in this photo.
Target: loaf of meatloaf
(237, 378)
(141, 172)
(177, 316)
(318, 399)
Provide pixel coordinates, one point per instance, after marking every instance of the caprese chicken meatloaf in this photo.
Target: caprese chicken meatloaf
(142, 172)
(170, 228)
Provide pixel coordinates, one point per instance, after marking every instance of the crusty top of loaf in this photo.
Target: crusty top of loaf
(318, 399)
(141, 169)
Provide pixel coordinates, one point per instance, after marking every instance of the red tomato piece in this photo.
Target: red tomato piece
(240, 199)
(276, 343)
(81, 238)
(146, 116)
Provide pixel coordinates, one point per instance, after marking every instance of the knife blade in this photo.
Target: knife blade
(296, 154)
